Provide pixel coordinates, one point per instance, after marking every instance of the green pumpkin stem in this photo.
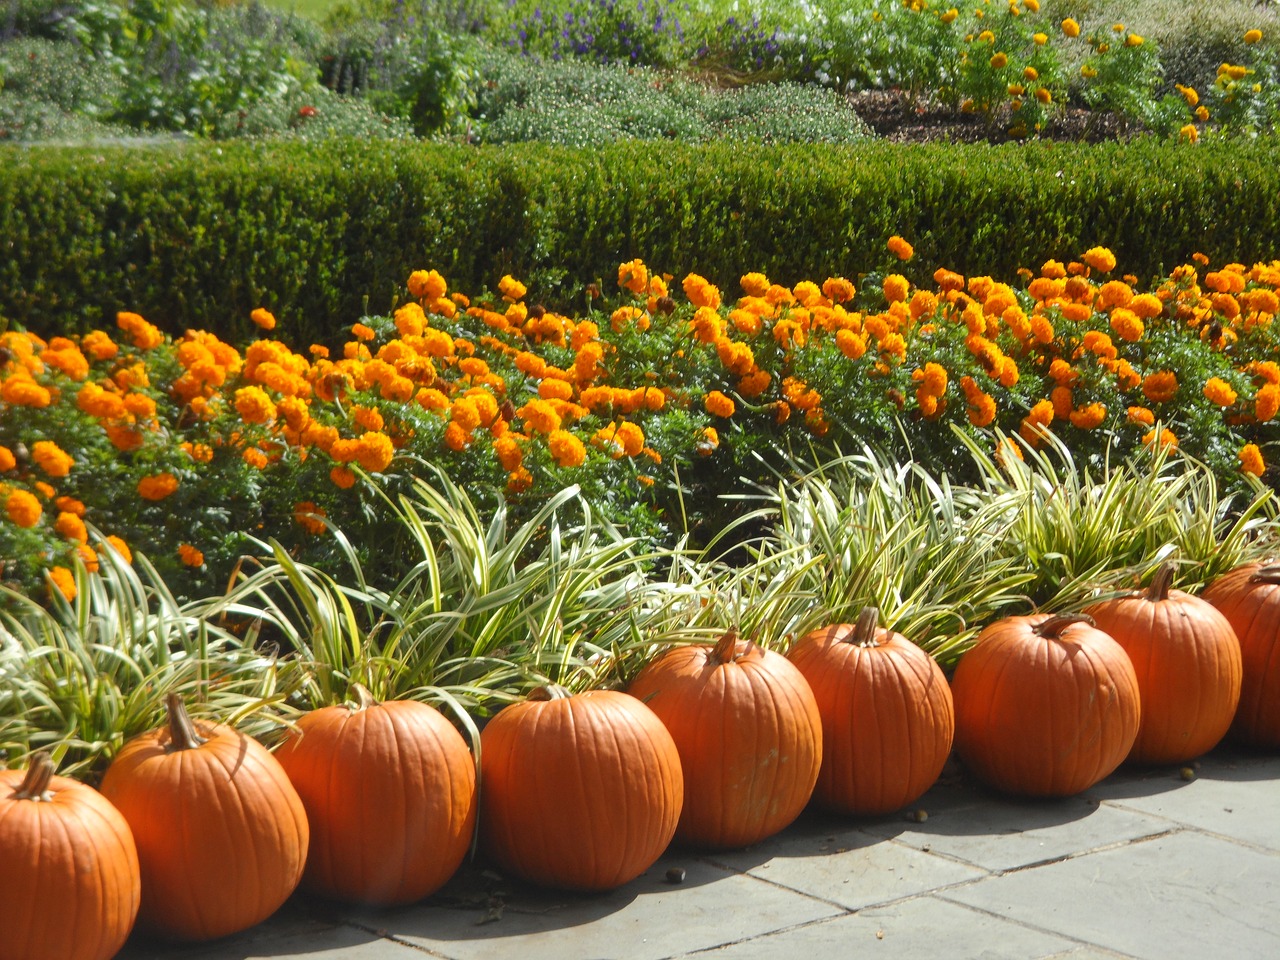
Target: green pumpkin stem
(1052, 628)
(726, 649)
(363, 698)
(1268, 574)
(182, 732)
(35, 785)
(864, 632)
(550, 691)
(1159, 589)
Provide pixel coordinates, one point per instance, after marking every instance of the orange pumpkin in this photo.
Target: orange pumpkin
(749, 735)
(221, 833)
(390, 794)
(1249, 597)
(1045, 706)
(1187, 660)
(887, 715)
(580, 792)
(69, 887)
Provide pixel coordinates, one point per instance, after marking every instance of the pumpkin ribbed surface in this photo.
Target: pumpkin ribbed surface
(390, 794)
(580, 792)
(1045, 706)
(69, 884)
(221, 833)
(1249, 597)
(1187, 660)
(749, 735)
(887, 716)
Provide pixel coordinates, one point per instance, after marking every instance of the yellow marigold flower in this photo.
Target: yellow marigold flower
(718, 405)
(254, 406)
(999, 61)
(1167, 439)
(375, 451)
(555, 389)
(511, 288)
(1252, 36)
(157, 486)
(1251, 459)
(566, 449)
(120, 547)
(254, 458)
(190, 556)
(1133, 40)
(410, 320)
(1040, 40)
(1202, 113)
(342, 477)
(1219, 391)
(899, 247)
(1100, 259)
(427, 285)
(896, 288)
(1188, 94)
(263, 318)
(23, 508)
(1233, 71)
(949, 16)
(51, 458)
(1146, 306)
(1189, 133)
(634, 276)
(700, 292)
(755, 284)
(1070, 27)
(64, 582)
(893, 345)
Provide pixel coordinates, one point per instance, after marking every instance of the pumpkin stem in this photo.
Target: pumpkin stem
(727, 648)
(182, 732)
(363, 698)
(1052, 628)
(1268, 574)
(35, 785)
(864, 632)
(550, 691)
(1159, 589)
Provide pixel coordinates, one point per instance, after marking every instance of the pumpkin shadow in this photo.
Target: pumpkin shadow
(1228, 761)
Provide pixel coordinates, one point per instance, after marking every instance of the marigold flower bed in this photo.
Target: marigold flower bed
(655, 400)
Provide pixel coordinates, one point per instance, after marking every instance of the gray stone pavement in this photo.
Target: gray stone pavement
(1145, 865)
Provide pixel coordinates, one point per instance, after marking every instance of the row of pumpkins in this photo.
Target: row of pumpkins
(199, 831)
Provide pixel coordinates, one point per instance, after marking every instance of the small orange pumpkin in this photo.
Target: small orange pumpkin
(749, 735)
(1187, 660)
(580, 792)
(221, 833)
(390, 794)
(69, 885)
(1045, 706)
(887, 715)
(1249, 597)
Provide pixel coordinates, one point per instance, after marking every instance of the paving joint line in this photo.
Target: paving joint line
(383, 934)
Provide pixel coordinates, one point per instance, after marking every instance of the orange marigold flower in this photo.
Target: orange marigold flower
(254, 406)
(718, 405)
(1127, 324)
(456, 436)
(507, 449)
(511, 288)
(1160, 387)
(1070, 27)
(1142, 416)
(157, 486)
(1167, 439)
(755, 284)
(64, 582)
(120, 547)
(1100, 259)
(70, 505)
(23, 508)
(1063, 401)
(634, 276)
(22, 391)
(7, 460)
(1088, 417)
(342, 477)
(99, 345)
(310, 517)
(362, 332)
(838, 290)
(254, 458)
(900, 248)
(144, 335)
(1037, 420)
(852, 345)
(933, 379)
(1041, 329)
(895, 288)
(88, 556)
(375, 451)
(539, 415)
(51, 458)
(519, 480)
(1251, 459)
(263, 318)
(427, 284)
(566, 449)
(700, 292)
(708, 440)
(190, 556)
(71, 527)
(1267, 402)
(948, 280)
(1219, 391)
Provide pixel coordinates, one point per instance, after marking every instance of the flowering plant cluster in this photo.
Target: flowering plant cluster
(655, 402)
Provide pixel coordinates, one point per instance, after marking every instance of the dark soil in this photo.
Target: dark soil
(896, 117)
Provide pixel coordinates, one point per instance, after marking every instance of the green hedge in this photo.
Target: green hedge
(199, 235)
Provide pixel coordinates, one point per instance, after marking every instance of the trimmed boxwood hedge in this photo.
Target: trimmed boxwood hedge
(199, 235)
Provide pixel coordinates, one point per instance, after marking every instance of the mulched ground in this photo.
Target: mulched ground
(895, 117)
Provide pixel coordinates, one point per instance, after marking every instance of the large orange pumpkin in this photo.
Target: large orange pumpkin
(1045, 706)
(749, 735)
(390, 794)
(1249, 597)
(69, 881)
(887, 716)
(580, 792)
(1187, 660)
(221, 833)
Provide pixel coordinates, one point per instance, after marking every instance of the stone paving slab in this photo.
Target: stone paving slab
(1183, 895)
